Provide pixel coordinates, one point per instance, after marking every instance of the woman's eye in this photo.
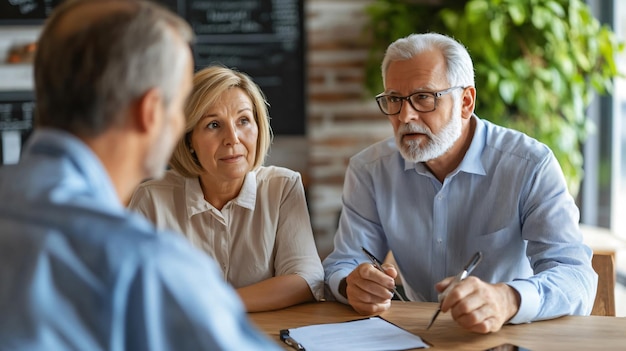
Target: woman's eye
(212, 125)
(244, 121)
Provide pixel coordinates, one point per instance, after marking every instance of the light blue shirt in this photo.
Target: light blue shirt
(507, 198)
(80, 272)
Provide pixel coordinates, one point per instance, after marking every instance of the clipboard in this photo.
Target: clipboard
(367, 334)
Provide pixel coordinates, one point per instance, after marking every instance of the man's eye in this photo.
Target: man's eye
(394, 99)
(421, 96)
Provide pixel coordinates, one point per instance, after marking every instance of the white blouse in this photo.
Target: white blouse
(262, 233)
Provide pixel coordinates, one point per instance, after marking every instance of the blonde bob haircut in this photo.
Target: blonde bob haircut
(208, 85)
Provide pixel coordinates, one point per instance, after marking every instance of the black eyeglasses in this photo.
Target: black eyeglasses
(421, 101)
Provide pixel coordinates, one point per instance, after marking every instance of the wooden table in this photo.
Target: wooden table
(565, 333)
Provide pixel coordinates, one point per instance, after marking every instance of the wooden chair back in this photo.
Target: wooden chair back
(604, 264)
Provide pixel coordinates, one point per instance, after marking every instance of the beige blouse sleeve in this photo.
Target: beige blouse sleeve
(296, 252)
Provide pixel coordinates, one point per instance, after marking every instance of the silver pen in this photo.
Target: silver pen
(287, 339)
(469, 267)
(379, 266)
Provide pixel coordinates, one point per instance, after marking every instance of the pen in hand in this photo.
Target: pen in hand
(469, 267)
(379, 266)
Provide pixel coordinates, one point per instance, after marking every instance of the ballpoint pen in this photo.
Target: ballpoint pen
(379, 266)
(287, 339)
(469, 267)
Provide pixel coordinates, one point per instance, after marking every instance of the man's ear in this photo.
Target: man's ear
(148, 110)
(468, 102)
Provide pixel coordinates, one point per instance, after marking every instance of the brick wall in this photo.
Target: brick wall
(342, 116)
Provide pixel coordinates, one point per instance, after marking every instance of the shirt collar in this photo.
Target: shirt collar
(247, 195)
(195, 202)
(194, 198)
(472, 162)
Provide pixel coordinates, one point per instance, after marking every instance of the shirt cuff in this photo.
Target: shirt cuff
(333, 284)
(529, 301)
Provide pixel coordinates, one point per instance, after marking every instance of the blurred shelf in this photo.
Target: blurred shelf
(16, 77)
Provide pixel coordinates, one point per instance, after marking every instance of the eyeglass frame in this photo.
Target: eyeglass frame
(436, 95)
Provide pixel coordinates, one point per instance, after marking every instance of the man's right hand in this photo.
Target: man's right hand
(368, 290)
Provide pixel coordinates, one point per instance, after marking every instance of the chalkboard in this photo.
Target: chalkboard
(263, 38)
(26, 11)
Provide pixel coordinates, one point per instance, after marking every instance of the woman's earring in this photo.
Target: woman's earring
(192, 150)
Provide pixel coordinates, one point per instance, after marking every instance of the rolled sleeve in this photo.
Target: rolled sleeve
(296, 252)
(315, 282)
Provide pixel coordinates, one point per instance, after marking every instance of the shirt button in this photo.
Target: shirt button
(439, 197)
(439, 241)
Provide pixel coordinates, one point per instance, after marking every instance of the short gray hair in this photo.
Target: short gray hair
(460, 69)
(84, 78)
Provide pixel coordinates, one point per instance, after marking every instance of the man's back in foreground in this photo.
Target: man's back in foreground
(77, 271)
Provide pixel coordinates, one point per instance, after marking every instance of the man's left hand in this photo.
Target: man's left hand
(479, 306)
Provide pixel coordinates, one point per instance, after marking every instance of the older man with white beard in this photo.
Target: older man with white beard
(448, 186)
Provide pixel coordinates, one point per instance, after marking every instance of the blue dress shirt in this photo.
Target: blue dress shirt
(80, 272)
(507, 198)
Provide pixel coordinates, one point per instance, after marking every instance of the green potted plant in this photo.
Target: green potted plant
(538, 63)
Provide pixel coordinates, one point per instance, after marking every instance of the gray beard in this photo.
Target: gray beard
(436, 144)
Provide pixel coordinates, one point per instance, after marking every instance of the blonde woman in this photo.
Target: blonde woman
(253, 220)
